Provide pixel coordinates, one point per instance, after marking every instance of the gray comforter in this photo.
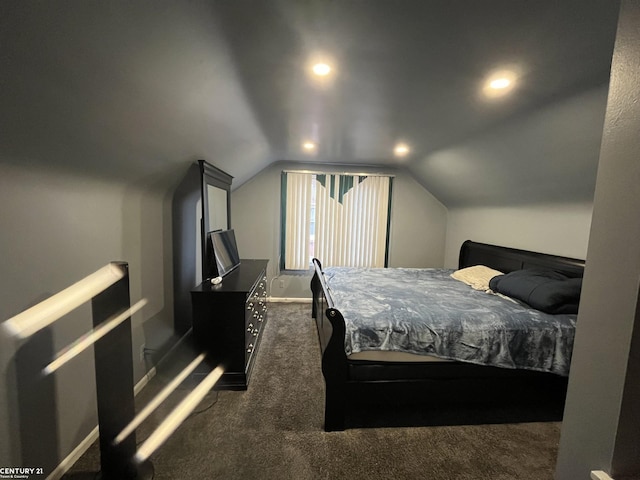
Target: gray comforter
(426, 312)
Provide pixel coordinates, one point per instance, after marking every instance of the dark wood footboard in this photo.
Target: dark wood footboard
(331, 332)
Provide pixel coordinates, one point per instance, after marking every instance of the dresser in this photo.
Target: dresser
(229, 319)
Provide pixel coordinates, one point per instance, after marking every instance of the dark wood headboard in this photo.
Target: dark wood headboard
(507, 259)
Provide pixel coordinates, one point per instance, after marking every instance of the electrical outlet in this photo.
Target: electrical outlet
(142, 347)
(281, 283)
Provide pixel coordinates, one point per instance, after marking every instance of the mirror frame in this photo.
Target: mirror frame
(210, 175)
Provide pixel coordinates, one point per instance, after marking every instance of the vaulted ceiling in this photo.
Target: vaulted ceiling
(140, 89)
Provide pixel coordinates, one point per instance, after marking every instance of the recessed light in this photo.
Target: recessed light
(401, 150)
(309, 146)
(499, 83)
(321, 69)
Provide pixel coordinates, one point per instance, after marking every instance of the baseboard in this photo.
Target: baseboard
(288, 300)
(84, 445)
(600, 475)
(74, 456)
(144, 380)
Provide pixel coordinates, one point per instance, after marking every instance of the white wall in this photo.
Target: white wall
(601, 425)
(560, 229)
(418, 225)
(417, 232)
(56, 229)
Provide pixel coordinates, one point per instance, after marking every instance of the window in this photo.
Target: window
(343, 220)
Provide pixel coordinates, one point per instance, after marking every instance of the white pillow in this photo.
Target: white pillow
(477, 277)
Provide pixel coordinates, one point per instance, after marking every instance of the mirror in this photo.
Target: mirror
(217, 199)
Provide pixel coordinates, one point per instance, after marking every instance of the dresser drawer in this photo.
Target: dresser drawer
(255, 315)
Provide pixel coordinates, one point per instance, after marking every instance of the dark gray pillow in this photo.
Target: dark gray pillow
(545, 290)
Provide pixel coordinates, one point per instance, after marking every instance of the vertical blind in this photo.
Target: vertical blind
(298, 220)
(341, 219)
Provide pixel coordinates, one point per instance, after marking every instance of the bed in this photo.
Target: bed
(403, 333)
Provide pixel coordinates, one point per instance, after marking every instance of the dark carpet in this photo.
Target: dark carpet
(274, 429)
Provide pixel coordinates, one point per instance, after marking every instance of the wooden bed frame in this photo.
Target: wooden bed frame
(346, 378)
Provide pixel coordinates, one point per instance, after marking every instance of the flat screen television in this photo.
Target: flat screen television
(222, 253)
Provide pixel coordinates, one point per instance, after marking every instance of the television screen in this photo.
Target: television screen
(225, 252)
